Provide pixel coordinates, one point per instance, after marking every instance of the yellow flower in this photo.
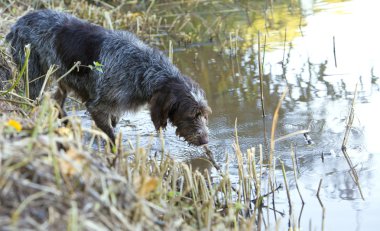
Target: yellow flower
(15, 124)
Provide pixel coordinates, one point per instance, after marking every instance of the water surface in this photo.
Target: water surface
(299, 41)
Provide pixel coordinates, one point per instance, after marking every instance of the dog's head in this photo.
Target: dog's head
(186, 108)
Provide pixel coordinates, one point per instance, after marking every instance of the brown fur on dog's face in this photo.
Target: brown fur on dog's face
(191, 122)
(184, 111)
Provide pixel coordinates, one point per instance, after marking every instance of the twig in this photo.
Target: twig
(295, 174)
(171, 51)
(334, 51)
(272, 144)
(27, 54)
(76, 65)
(319, 188)
(108, 19)
(231, 44)
(264, 49)
(236, 41)
(211, 158)
(51, 70)
(269, 193)
(299, 217)
(286, 185)
(17, 102)
(283, 55)
(274, 123)
(291, 135)
(345, 140)
(260, 74)
(216, 165)
(323, 207)
(300, 24)
(274, 210)
(150, 7)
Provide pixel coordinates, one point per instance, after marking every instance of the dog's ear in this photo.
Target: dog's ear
(207, 110)
(160, 106)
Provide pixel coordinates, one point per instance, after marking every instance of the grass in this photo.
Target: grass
(50, 179)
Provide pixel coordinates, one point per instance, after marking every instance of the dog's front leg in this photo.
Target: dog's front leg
(114, 120)
(103, 121)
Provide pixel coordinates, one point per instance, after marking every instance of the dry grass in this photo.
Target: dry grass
(50, 179)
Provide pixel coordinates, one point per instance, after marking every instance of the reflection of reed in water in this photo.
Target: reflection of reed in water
(200, 164)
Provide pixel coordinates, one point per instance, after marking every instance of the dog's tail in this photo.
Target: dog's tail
(9, 36)
(16, 48)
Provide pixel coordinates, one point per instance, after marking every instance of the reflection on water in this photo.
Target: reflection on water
(299, 39)
(319, 98)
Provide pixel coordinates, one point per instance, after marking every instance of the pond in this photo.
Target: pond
(319, 50)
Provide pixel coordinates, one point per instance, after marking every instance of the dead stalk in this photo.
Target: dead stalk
(286, 185)
(319, 188)
(334, 51)
(283, 55)
(260, 74)
(295, 173)
(350, 120)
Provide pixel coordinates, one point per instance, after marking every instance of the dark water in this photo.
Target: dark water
(299, 56)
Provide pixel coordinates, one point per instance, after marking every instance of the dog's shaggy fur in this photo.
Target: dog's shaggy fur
(132, 75)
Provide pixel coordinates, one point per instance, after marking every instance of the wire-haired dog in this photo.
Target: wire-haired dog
(132, 75)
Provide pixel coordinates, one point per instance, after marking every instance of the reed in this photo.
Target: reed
(350, 120)
(284, 50)
(336, 65)
(260, 74)
(171, 51)
(295, 170)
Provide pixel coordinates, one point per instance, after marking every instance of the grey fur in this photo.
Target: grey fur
(133, 74)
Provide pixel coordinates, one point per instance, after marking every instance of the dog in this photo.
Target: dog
(131, 73)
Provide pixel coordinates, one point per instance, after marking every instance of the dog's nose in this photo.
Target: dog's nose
(203, 140)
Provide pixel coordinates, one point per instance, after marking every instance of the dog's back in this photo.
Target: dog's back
(55, 38)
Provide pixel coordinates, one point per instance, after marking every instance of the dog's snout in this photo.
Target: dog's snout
(203, 140)
(202, 137)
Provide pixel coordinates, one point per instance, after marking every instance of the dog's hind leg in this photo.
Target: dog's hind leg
(36, 74)
(60, 97)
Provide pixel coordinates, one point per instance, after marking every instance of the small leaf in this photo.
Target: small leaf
(97, 66)
(99, 69)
